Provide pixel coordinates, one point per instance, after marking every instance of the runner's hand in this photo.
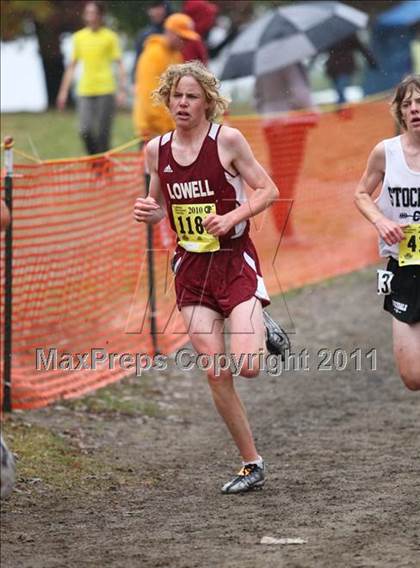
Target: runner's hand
(145, 209)
(391, 232)
(217, 225)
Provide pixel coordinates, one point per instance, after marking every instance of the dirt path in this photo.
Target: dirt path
(133, 478)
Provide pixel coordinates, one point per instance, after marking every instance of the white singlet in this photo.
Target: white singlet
(399, 199)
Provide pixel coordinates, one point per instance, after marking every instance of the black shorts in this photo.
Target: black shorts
(404, 301)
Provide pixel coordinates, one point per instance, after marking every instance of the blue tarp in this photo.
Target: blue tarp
(405, 14)
(391, 49)
(391, 37)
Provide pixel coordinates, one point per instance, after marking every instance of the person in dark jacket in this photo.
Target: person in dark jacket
(158, 11)
(341, 63)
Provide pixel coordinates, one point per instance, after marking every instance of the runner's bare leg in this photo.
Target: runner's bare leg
(247, 335)
(407, 352)
(205, 329)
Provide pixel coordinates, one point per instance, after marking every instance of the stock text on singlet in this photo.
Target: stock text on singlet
(399, 200)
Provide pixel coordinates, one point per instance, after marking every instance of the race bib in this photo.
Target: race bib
(410, 246)
(384, 282)
(188, 220)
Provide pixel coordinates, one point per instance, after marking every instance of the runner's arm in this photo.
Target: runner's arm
(390, 231)
(234, 145)
(149, 209)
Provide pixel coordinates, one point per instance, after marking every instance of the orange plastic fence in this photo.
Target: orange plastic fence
(77, 256)
(324, 235)
(80, 267)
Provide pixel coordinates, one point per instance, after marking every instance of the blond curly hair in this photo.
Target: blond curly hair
(207, 81)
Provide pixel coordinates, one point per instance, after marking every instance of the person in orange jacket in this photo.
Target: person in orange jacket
(160, 51)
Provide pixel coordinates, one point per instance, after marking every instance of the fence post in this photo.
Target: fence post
(8, 273)
(151, 278)
(150, 263)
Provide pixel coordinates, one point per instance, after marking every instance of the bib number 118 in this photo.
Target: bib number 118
(198, 225)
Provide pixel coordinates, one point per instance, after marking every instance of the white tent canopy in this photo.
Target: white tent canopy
(22, 77)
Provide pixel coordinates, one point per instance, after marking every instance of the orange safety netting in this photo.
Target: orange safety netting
(324, 235)
(77, 257)
(80, 265)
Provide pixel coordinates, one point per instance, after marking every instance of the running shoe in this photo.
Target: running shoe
(277, 340)
(251, 476)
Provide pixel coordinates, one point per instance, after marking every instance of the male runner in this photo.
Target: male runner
(196, 178)
(396, 164)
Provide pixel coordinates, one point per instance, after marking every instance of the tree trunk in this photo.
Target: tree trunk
(52, 58)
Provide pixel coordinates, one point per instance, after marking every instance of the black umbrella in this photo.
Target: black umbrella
(289, 34)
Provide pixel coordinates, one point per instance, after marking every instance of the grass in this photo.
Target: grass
(53, 134)
(129, 397)
(57, 458)
(46, 457)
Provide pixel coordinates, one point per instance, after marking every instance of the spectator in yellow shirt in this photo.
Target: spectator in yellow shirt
(97, 48)
(160, 51)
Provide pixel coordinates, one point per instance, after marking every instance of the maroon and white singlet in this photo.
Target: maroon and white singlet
(219, 273)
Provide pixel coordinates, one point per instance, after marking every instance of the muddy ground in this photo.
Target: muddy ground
(131, 477)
